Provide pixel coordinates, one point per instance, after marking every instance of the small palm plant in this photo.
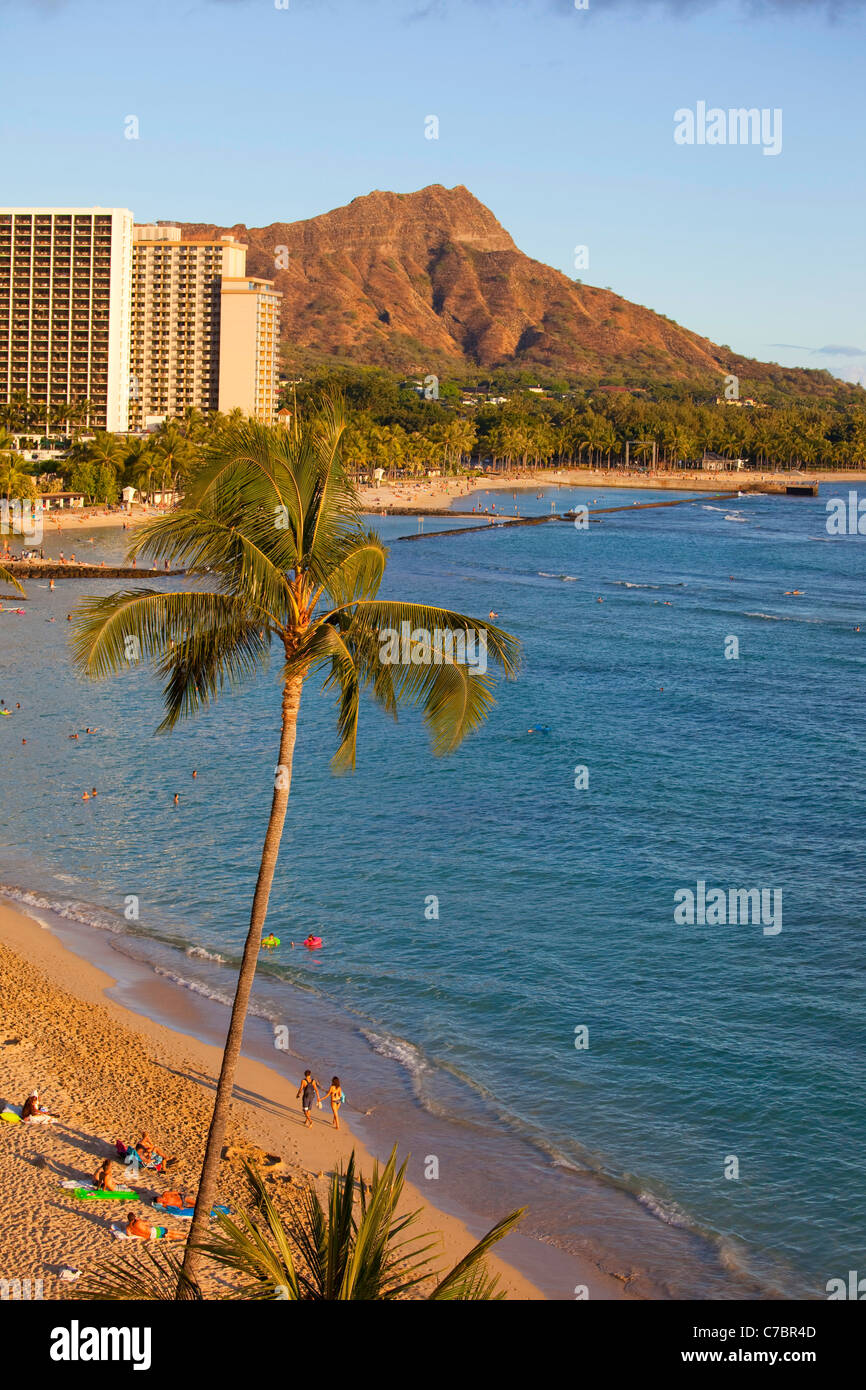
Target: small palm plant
(271, 530)
(352, 1248)
(7, 516)
(7, 577)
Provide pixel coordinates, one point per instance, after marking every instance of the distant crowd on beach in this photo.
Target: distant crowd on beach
(134, 1158)
(116, 1177)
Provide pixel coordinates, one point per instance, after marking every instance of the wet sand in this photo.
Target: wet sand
(112, 1073)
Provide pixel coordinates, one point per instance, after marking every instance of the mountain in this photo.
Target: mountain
(430, 280)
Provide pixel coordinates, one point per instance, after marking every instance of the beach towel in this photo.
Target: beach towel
(187, 1212)
(11, 1116)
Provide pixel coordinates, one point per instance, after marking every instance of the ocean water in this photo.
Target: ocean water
(708, 1141)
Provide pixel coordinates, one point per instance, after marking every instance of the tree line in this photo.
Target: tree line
(450, 426)
(447, 425)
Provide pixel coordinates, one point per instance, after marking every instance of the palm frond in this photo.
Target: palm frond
(469, 1279)
(241, 552)
(355, 1248)
(7, 577)
(152, 1274)
(360, 572)
(257, 1247)
(455, 694)
(201, 641)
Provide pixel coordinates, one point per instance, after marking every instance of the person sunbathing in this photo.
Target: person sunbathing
(172, 1199)
(102, 1177)
(138, 1227)
(148, 1156)
(34, 1112)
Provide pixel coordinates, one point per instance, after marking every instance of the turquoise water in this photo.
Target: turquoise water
(556, 904)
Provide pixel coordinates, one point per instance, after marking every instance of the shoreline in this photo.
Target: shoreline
(439, 494)
(265, 1109)
(482, 1147)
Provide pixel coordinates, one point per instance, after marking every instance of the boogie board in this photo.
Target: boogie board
(84, 1194)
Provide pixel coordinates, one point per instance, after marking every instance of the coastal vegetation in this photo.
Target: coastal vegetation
(271, 534)
(499, 420)
(520, 419)
(355, 1247)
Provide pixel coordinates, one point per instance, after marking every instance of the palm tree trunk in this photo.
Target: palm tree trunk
(222, 1101)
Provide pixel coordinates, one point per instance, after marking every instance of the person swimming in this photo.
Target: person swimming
(270, 941)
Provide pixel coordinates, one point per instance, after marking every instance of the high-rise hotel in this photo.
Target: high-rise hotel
(204, 333)
(65, 301)
(137, 320)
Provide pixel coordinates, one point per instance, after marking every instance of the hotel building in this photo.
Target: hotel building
(136, 320)
(249, 347)
(65, 299)
(204, 334)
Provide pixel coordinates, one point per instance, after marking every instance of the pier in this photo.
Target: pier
(48, 569)
(503, 523)
(798, 489)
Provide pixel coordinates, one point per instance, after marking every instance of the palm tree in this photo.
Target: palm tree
(143, 469)
(273, 526)
(15, 484)
(193, 424)
(60, 411)
(644, 447)
(317, 1253)
(78, 414)
(174, 455)
(104, 447)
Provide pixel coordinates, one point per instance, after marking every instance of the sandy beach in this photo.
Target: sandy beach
(439, 494)
(110, 1073)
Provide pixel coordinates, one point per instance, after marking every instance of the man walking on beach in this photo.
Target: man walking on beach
(310, 1088)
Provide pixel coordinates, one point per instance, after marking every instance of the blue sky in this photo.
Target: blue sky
(560, 119)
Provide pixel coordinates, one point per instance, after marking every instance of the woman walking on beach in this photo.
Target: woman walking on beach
(336, 1097)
